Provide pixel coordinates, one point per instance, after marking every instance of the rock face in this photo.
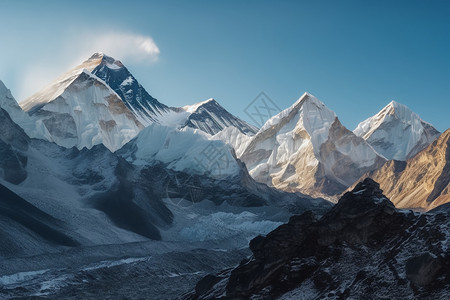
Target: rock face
(362, 248)
(13, 146)
(144, 107)
(305, 148)
(210, 117)
(396, 132)
(422, 182)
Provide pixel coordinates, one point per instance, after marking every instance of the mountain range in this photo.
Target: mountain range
(304, 148)
(93, 160)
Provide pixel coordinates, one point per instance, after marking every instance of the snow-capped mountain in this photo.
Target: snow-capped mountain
(100, 101)
(397, 132)
(421, 182)
(210, 117)
(79, 109)
(305, 148)
(145, 108)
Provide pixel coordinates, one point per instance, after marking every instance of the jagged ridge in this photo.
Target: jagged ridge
(363, 247)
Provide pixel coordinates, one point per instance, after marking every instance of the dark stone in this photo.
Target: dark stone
(363, 226)
(422, 269)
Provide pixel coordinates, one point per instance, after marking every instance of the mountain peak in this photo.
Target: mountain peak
(397, 109)
(396, 132)
(192, 108)
(309, 111)
(210, 117)
(307, 98)
(394, 103)
(101, 58)
(97, 55)
(306, 149)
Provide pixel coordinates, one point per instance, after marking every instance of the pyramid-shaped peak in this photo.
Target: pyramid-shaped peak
(395, 104)
(192, 108)
(97, 55)
(309, 112)
(307, 97)
(101, 58)
(398, 109)
(309, 102)
(396, 132)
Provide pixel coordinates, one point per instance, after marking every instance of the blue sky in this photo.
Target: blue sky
(355, 56)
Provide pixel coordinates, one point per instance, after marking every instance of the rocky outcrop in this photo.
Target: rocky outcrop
(422, 182)
(362, 248)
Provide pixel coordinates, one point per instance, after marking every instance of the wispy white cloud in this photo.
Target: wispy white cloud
(78, 46)
(132, 47)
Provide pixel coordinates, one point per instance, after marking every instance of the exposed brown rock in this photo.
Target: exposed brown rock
(422, 182)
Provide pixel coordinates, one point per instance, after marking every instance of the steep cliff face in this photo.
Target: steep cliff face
(422, 182)
(13, 146)
(362, 248)
(144, 107)
(210, 117)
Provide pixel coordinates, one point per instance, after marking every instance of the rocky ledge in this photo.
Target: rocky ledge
(362, 248)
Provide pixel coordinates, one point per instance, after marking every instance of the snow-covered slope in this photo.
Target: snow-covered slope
(210, 117)
(146, 108)
(305, 148)
(186, 149)
(235, 138)
(32, 126)
(79, 109)
(397, 132)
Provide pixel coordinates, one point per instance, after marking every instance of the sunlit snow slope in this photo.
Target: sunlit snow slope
(79, 109)
(397, 132)
(305, 148)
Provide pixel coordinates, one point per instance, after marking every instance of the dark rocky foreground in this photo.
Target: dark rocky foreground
(363, 248)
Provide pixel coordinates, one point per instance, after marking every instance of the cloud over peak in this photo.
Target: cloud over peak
(126, 46)
(78, 46)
